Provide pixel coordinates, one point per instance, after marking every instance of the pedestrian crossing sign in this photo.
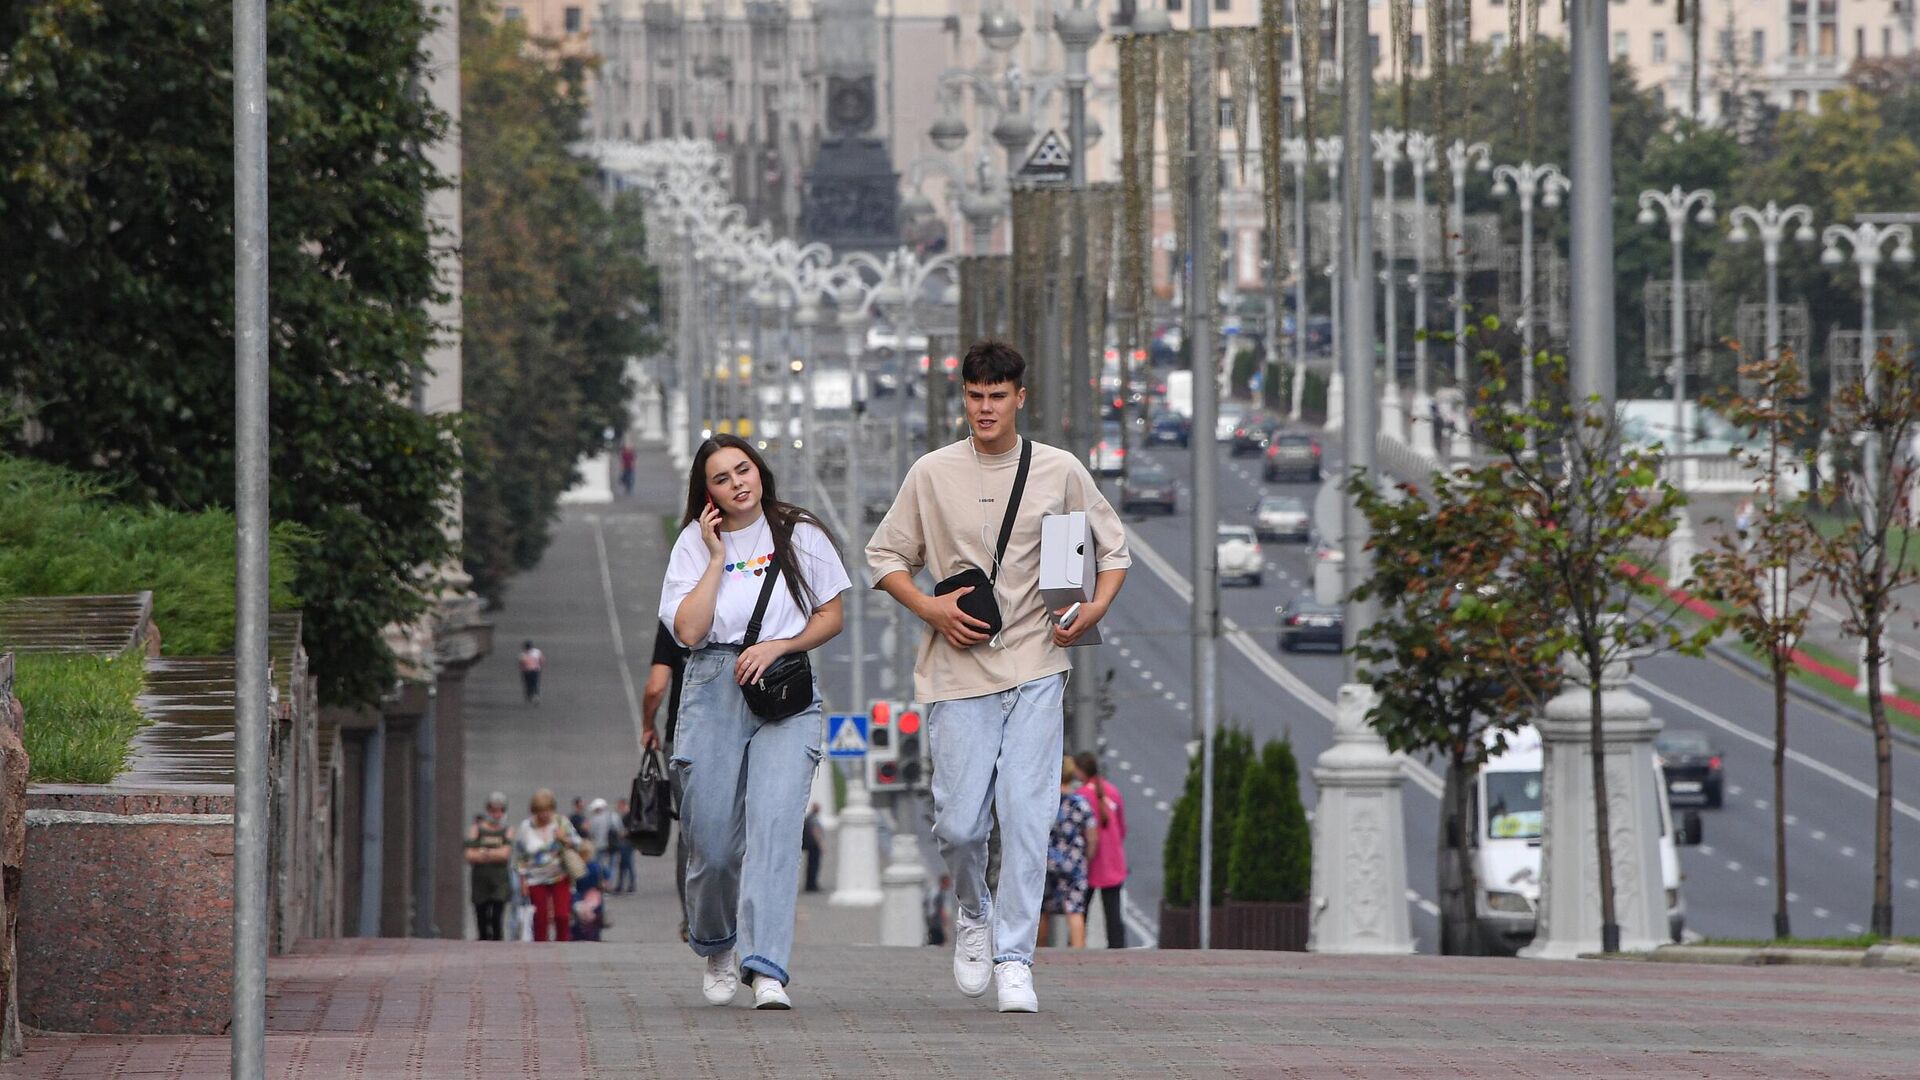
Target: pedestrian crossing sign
(846, 735)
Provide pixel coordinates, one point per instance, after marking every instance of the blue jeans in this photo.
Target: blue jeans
(744, 786)
(1002, 747)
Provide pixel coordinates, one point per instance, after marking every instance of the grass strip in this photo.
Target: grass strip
(81, 714)
(1851, 941)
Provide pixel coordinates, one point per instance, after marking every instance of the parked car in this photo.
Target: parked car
(1169, 428)
(1232, 415)
(1237, 550)
(1147, 485)
(1693, 768)
(1282, 517)
(1306, 622)
(1252, 434)
(1107, 455)
(1293, 454)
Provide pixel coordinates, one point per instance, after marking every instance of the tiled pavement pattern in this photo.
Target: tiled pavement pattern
(444, 1009)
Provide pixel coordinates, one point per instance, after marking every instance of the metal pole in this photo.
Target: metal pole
(789, 412)
(1870, 452)
(1300, 276)
(751, 402)
(1202, 225)
(1356, 271)
(1771, 253)
(1677, 337)
(1526, 295)
(730, 361)
(1591, 173)
(424, 843)
(808, 453)
(251, 479)
(694, 372)
(1082, 369)
(1419, 150)
(857, 623)
(1458, 226)
(1387, 145)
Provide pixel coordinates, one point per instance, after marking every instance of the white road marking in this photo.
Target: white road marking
(1760, 881)
(1138, 779)
(1818, 913)
(1820, 767)
(1855, 928)
(1148, 675)
(1705, 849)
(1135, 663)
(1126, 766)
(1791, 819)
(1817, 834)
(1759, 804)
(1181, 705)
(1171, 696)
(1162, 807)
(613, 622)
(1423, 903)
(1125, 652)
(1158, 685)
(1733, 789)
(1846, 851)
(1912, 883)
(1793, 898)
(1733, 866)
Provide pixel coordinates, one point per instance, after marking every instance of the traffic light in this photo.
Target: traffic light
(909, 748)
(883, 752)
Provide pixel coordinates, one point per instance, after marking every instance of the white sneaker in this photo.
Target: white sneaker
(1016, 987)
(972, 953)
(722, 979)
(769, 994)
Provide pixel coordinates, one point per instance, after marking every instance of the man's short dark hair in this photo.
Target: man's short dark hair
(993, 361)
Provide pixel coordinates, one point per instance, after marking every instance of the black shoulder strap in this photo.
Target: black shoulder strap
(1013, 507)
(760, 605)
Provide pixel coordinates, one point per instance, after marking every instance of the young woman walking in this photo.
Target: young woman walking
(753, 583)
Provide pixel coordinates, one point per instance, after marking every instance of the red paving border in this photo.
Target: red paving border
(385, 1009)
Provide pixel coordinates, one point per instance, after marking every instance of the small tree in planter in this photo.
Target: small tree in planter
(1270, 864)
(1180, 858)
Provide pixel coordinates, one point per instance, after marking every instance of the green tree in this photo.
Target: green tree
(1232, 752)
(558, 295)
(1271, 856)
(1757, 568)
(116, 206)
(1453, 673)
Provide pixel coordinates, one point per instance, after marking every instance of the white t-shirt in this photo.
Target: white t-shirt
(749, 557)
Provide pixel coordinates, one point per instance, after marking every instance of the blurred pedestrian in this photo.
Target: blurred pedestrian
(578, 817)
(538, 844)
(663, 687)
(752, 585)
(622, 849)
(626, 469)
(1107, 869)
(813, 841)
(532, 663)
(589, 905)
(1075, 840)
(601, 827)
(488, 852)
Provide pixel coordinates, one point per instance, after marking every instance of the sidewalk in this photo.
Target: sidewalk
(401, 1008)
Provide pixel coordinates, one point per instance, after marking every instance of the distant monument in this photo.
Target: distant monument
(853, 192)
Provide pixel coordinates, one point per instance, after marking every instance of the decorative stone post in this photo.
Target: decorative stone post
(1569, 918)
(1359, 839)
(903, 913)
(857, 868)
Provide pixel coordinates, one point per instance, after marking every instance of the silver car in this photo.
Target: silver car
(1237, 550)
(1282, 517)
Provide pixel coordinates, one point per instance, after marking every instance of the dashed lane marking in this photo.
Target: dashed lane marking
(1855, 928)
(1846, 851)
(1138, 779)
(1818, 834)
(1733, 866)
(1760, 881)
(1158, 685)
(1706, 849)
(1821, 913)
(1171, 696)
(1146, 793)
(1162, 806)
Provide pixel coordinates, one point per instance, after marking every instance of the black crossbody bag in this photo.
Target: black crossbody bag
(786, 687)
(980, 603)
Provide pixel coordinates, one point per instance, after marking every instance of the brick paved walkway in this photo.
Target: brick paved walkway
(383, 1009)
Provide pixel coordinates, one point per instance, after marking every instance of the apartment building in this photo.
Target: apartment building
(564, 24)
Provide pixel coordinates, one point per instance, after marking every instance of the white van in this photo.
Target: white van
(1505, 804)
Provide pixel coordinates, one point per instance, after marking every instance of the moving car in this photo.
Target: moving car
(1237, 550)
(1107, 456)
(1305, 622)
(1693, 768)
(1232, 415)
(1148, 485)
(1251, 435)
(1509, 819)
(1282, 517)
(1169, 428)
(1292, 455)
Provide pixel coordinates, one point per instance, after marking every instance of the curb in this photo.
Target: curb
(1886, 955)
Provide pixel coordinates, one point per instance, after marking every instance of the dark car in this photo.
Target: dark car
(1169, 428)
(1692, 765)
(1251, 435)
(1304, 622)
(1291, 455)
(1148, 486)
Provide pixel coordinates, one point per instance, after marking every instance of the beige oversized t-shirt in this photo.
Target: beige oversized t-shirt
(947, 518)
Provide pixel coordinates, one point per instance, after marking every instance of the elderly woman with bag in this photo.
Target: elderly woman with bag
(752, 585)
(547, 855)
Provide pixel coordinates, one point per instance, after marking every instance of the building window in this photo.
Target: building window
(572, 17)
(1659, 46)
(511, 14)
(1659, 97)
(1859, 41)
(1799, 101)
(1373, 49)
(1726, 46)
(1886, 41)
(1417, 51)
(1497, 42)
(1759, 46)
(1226, 114)
(1173, 5)
(1620, 45)
(1829, 28)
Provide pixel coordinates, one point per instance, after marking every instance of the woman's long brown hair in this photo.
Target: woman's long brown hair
(782, 517)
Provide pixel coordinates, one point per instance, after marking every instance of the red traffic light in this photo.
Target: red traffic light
(909, 722)
(882, 714)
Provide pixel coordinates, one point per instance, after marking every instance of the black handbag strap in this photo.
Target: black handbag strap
(760, 606)
(1013, 507)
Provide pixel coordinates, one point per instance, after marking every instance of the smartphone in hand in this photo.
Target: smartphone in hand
(1067, 617)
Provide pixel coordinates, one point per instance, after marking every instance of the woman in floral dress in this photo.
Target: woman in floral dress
(1076, 837)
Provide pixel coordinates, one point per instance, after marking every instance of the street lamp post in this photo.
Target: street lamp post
(1867, 242)
(1528, 180)
(1420, 156)
(1460, 155)
(1677, 205)
(1328, 151)
(1771, 222)
(1294, 153)
(1389, 150)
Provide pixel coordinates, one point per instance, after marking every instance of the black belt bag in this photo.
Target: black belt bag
(786, 687)
(979, 603)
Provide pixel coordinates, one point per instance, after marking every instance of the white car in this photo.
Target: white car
(1229, 418)
(1108, 456)
(1283, 516)
(1237, 550)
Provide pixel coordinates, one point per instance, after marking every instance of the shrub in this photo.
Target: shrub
(1180, 859)
(1271, 858)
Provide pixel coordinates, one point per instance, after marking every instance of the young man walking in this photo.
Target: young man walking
(994, 699)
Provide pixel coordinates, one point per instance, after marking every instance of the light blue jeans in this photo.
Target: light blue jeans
(1002, 748)
(744, 783)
